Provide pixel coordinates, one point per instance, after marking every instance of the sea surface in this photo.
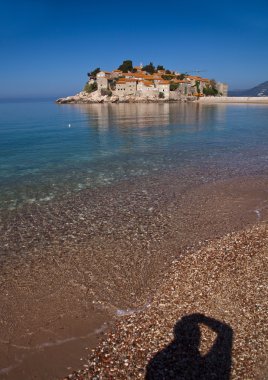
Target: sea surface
(47, 150)
(97, 202)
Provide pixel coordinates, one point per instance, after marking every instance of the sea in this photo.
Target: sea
(98, 201)
(49, 150)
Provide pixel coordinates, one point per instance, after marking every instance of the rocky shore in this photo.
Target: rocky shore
(214, 298)
(95, 97)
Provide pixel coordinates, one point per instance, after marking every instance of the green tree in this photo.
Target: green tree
(126, 66)
(90, 87)
(181, 76)
(168, 72)
(174, 86)
(160, 67)
(113, 84)
(161, 95)
(167, 77)
(149, 68)
(210, 91)
(205, 91)
(215, 91)
(197, 85)
(93, 73)
(213, 87)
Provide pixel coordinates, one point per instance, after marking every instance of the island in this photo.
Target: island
(149, 83)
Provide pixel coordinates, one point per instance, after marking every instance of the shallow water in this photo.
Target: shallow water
(47, 150)
(93, 214)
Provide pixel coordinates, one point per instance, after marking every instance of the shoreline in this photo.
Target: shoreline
(97, 98)
(137, 228)
(234, 100)
(224, 283)
(116, 100)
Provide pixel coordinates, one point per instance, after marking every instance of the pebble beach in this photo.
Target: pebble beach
(219, 295)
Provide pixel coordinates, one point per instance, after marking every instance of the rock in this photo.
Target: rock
(95, 97)
(114, 99)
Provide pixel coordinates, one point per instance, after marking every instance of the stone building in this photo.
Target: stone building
(104, 74)
(141, 83)
(138, 68)
(102, 83)
(116, 73)
(103, 78)
(147, 88)
(163, 87)
(126, 87)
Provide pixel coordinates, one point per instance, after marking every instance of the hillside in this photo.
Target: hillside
(260, 90)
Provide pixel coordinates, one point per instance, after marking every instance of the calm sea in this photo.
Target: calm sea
(47, 150)
(72, 257)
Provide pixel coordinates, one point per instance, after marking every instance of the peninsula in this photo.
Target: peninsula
(146, 83)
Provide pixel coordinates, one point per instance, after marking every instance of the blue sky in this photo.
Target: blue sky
(47, 47)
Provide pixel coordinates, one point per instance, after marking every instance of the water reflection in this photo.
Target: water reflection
(184, 116)
(146, 128)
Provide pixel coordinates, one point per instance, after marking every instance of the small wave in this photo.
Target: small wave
(258, 213)
(59, 342)
(43, 345)
(6, 370)
(123, 312)
(47, 198)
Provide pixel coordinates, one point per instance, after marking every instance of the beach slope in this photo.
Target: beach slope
(207, 319)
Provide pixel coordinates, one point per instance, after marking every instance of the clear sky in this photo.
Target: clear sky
(47, 47)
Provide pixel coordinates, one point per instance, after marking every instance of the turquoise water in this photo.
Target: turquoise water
(47, 150)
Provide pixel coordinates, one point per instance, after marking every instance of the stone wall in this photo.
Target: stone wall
(102, 83)
(228, 99)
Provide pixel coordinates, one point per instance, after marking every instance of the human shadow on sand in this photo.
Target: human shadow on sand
(181, 359)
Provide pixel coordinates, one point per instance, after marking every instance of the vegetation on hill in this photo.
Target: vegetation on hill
(210, 91)
(90, 87)
(181, 76)
(126, 66)
(150, 68)
(94, 73)
(197, 85)
(167, 76)
(174, 86)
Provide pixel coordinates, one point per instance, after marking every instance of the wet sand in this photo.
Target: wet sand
(72, 265)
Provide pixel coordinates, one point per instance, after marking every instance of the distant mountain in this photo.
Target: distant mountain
(260, 90)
